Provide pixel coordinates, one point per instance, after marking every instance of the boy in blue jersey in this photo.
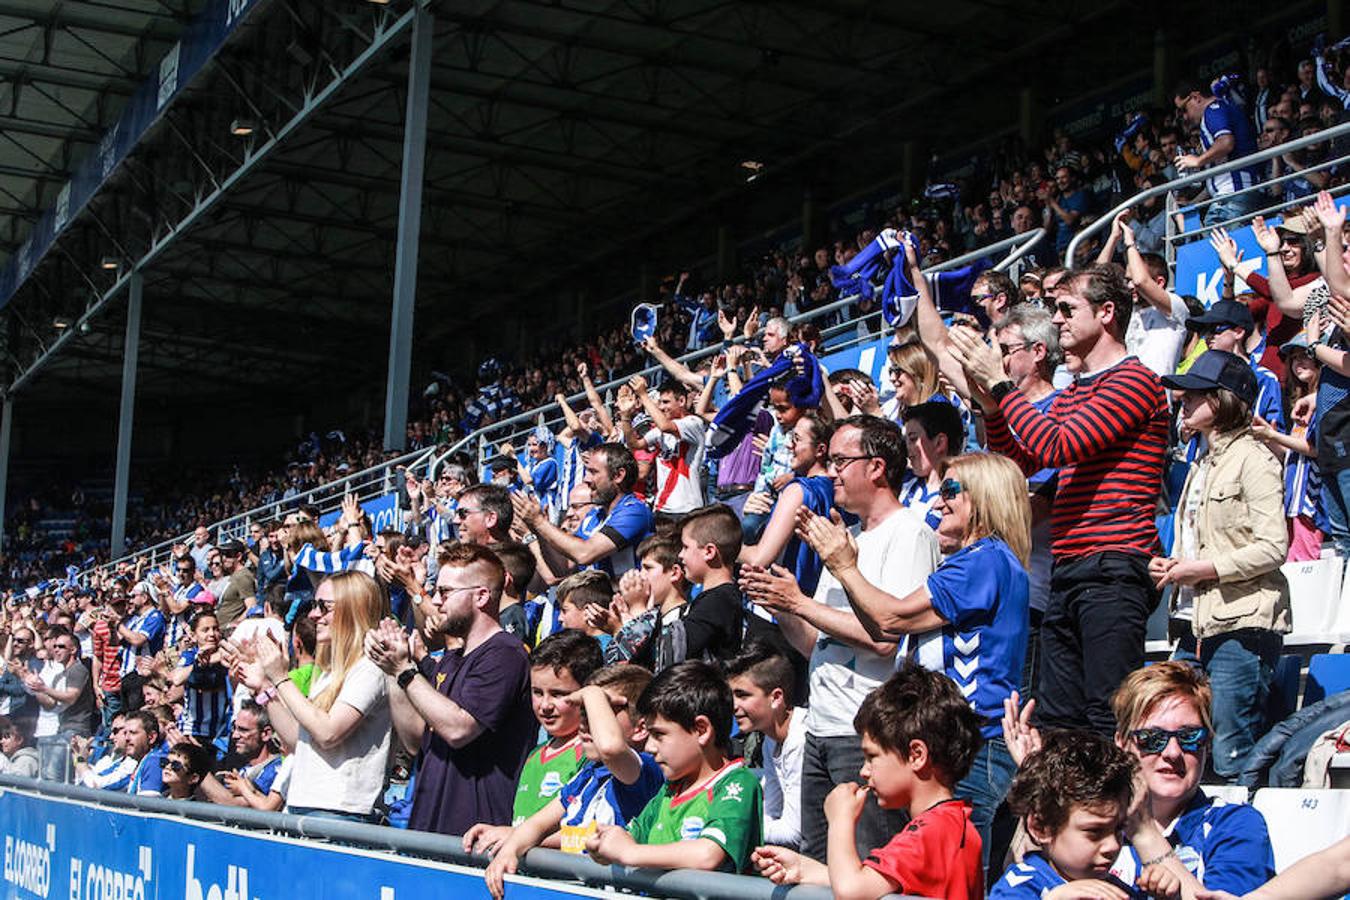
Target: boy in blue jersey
(1073, 796)
(612, 787)
(206, 681)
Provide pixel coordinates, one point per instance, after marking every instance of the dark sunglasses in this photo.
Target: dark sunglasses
(172, 764)
(1155, 740)
(949, 488)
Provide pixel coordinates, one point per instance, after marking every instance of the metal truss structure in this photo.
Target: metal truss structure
(472, 160)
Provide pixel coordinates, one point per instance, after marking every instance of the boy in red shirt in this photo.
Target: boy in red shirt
(919, 737)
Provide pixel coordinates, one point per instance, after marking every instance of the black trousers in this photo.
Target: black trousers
(1092, 636)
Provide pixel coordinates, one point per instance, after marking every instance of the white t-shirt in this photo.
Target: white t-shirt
(350, 776)
(252, 629)
(897, 556)
(49, 720)
(783, 784)
(678, 464)
(1156, 339)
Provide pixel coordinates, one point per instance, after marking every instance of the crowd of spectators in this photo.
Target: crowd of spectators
(770, 617)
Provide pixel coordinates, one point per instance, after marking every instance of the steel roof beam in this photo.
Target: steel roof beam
(316, 101)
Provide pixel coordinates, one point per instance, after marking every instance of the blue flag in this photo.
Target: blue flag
(737, 416)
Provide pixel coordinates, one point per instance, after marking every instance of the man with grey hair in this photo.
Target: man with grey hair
(1029, 341)
(776, 332)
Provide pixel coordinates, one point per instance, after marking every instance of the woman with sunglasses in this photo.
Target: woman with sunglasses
(1229, 541)
(969, 618)
(1163, 717)
(340, 733)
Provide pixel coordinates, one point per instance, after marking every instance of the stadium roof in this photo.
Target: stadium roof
(565, 137)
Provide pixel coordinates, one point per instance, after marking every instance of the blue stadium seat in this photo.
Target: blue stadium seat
(1283, 700)
(1328, 673)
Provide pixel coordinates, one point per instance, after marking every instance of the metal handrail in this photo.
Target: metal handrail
(1103, 222)
(241, 521)
(1019, 244)
(685, 884)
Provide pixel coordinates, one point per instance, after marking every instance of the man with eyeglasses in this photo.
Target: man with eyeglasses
(250, 767)
(896, 553)
(1107, 434)
(1228, 326)
(111, 771)
(1225, 134)
(65, 695)
(467, 715)
(239, 591)
(1028, 341)
(484, 515)
(21, 661)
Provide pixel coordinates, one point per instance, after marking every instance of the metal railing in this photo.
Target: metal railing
(1200, 175)
(382, 478)
(519, 426)
(374, 481)
(687, 884)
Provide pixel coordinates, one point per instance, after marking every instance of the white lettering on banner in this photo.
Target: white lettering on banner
(236, 882)
(105, 883)
(28, 866)
(1208, 286)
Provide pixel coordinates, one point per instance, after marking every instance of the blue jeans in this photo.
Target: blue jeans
(831, 761)
(1232, 207)
(985, 786)
(112, 705)
(1336, 502)
(1241, 666)
(370, 818)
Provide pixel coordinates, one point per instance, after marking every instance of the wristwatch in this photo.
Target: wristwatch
(406, 677)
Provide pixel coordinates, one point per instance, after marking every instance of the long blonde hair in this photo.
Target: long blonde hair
(999, 506)
(915, 360)
(358, 606)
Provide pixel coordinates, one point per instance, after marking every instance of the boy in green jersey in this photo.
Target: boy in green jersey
(710, 814)
(559, 666)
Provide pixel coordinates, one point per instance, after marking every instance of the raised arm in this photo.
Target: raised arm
(678, 370)
(1281, 294)
(583, 551)
(1142, 279)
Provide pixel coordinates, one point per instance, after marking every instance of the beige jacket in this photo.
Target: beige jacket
(1241, 529)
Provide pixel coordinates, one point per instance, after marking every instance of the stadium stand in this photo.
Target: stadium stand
(952, 427)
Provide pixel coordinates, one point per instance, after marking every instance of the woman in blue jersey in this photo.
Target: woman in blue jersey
(808, 443)
(969, 618)
(1163, 717)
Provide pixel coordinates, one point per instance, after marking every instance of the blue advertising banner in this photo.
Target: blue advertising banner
(869, 357)
(200, 41)
(383, 511)
(73, 851)
(1198, 271)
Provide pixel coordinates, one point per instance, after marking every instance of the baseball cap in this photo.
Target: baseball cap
(1214, 370)
(232, 547)
(1226, 313)
(1297, 342)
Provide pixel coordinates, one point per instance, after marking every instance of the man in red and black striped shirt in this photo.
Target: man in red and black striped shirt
(1107, 435)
